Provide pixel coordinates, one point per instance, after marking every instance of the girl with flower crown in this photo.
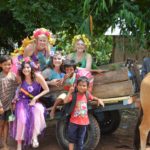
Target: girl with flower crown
(82, 58)
(54, 73)
(30, 120)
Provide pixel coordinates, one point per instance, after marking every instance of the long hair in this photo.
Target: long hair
(51, 65)
(21, 74)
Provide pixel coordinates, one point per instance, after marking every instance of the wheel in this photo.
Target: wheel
(92, 135)
(109, 121)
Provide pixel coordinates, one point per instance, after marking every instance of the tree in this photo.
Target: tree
(92, 17)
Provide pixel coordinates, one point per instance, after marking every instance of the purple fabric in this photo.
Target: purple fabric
(27, 118)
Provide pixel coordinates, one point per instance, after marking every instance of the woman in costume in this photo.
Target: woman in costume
(38, 47)
(30, 121)
(81, 43)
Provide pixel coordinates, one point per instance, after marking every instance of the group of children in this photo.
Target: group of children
(29, 113)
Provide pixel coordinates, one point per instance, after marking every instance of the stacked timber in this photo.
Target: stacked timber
(112, 84)
(109, 84)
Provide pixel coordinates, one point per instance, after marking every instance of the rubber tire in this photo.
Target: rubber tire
(110, 122)
(92, 137)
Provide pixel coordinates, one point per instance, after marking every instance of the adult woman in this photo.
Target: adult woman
(38, 47)
(29, 120)
(82, 58)
(54, 73)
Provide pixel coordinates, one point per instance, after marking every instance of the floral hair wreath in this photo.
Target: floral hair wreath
(81, 37)
(46, 32)
(26, 60)
(28, 40)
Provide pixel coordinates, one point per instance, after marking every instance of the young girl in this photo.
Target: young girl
(68, 81)
(54, 73)
(79, 117)
(29, 115)
(8, 86)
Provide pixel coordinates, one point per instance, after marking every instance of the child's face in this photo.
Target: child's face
(69, 70)
(82, 87)
(6, 66)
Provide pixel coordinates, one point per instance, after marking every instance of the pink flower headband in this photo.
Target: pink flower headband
(26, 60)
(40, 31)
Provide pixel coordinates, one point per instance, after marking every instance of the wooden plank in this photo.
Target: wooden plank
(111, 76)
(110, 90)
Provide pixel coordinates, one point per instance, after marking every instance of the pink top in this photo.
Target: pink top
(80, 113)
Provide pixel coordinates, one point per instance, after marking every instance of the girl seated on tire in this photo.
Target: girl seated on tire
(79, 116)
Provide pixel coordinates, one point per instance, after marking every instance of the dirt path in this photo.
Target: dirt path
(122, 139)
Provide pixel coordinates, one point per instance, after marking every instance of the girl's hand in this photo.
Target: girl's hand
(33, 101)
(71, 90)
(68, 75)
(100, 102)
(55, 82)
(1, 110)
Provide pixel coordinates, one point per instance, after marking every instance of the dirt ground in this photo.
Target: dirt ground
(121, 139)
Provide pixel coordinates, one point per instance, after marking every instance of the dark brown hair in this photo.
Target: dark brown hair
(21, 74)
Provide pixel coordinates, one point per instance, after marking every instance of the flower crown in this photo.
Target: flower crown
(25, 60)
(28, 40)
(81, 37)
(46, 32)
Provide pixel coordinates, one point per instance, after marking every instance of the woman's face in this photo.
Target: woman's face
(80, 46)
(27, 69)
(42, 42)
(57, 60)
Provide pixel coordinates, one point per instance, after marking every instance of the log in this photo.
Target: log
(111, 76)
(110, 90)
(109, 85)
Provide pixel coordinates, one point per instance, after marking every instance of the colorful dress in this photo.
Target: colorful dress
(29, 120)
(50, 74)
(81, 63)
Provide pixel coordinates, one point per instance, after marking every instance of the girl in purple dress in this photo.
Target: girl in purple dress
(29, 113)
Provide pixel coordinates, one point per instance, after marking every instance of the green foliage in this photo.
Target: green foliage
(20, 17)
(100, 49)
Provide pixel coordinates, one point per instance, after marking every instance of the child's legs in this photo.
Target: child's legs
(72, 135)
(2, 122)
(58, 101)
(5, 131)
(80, 137)
(71, 146)
(6, 125)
